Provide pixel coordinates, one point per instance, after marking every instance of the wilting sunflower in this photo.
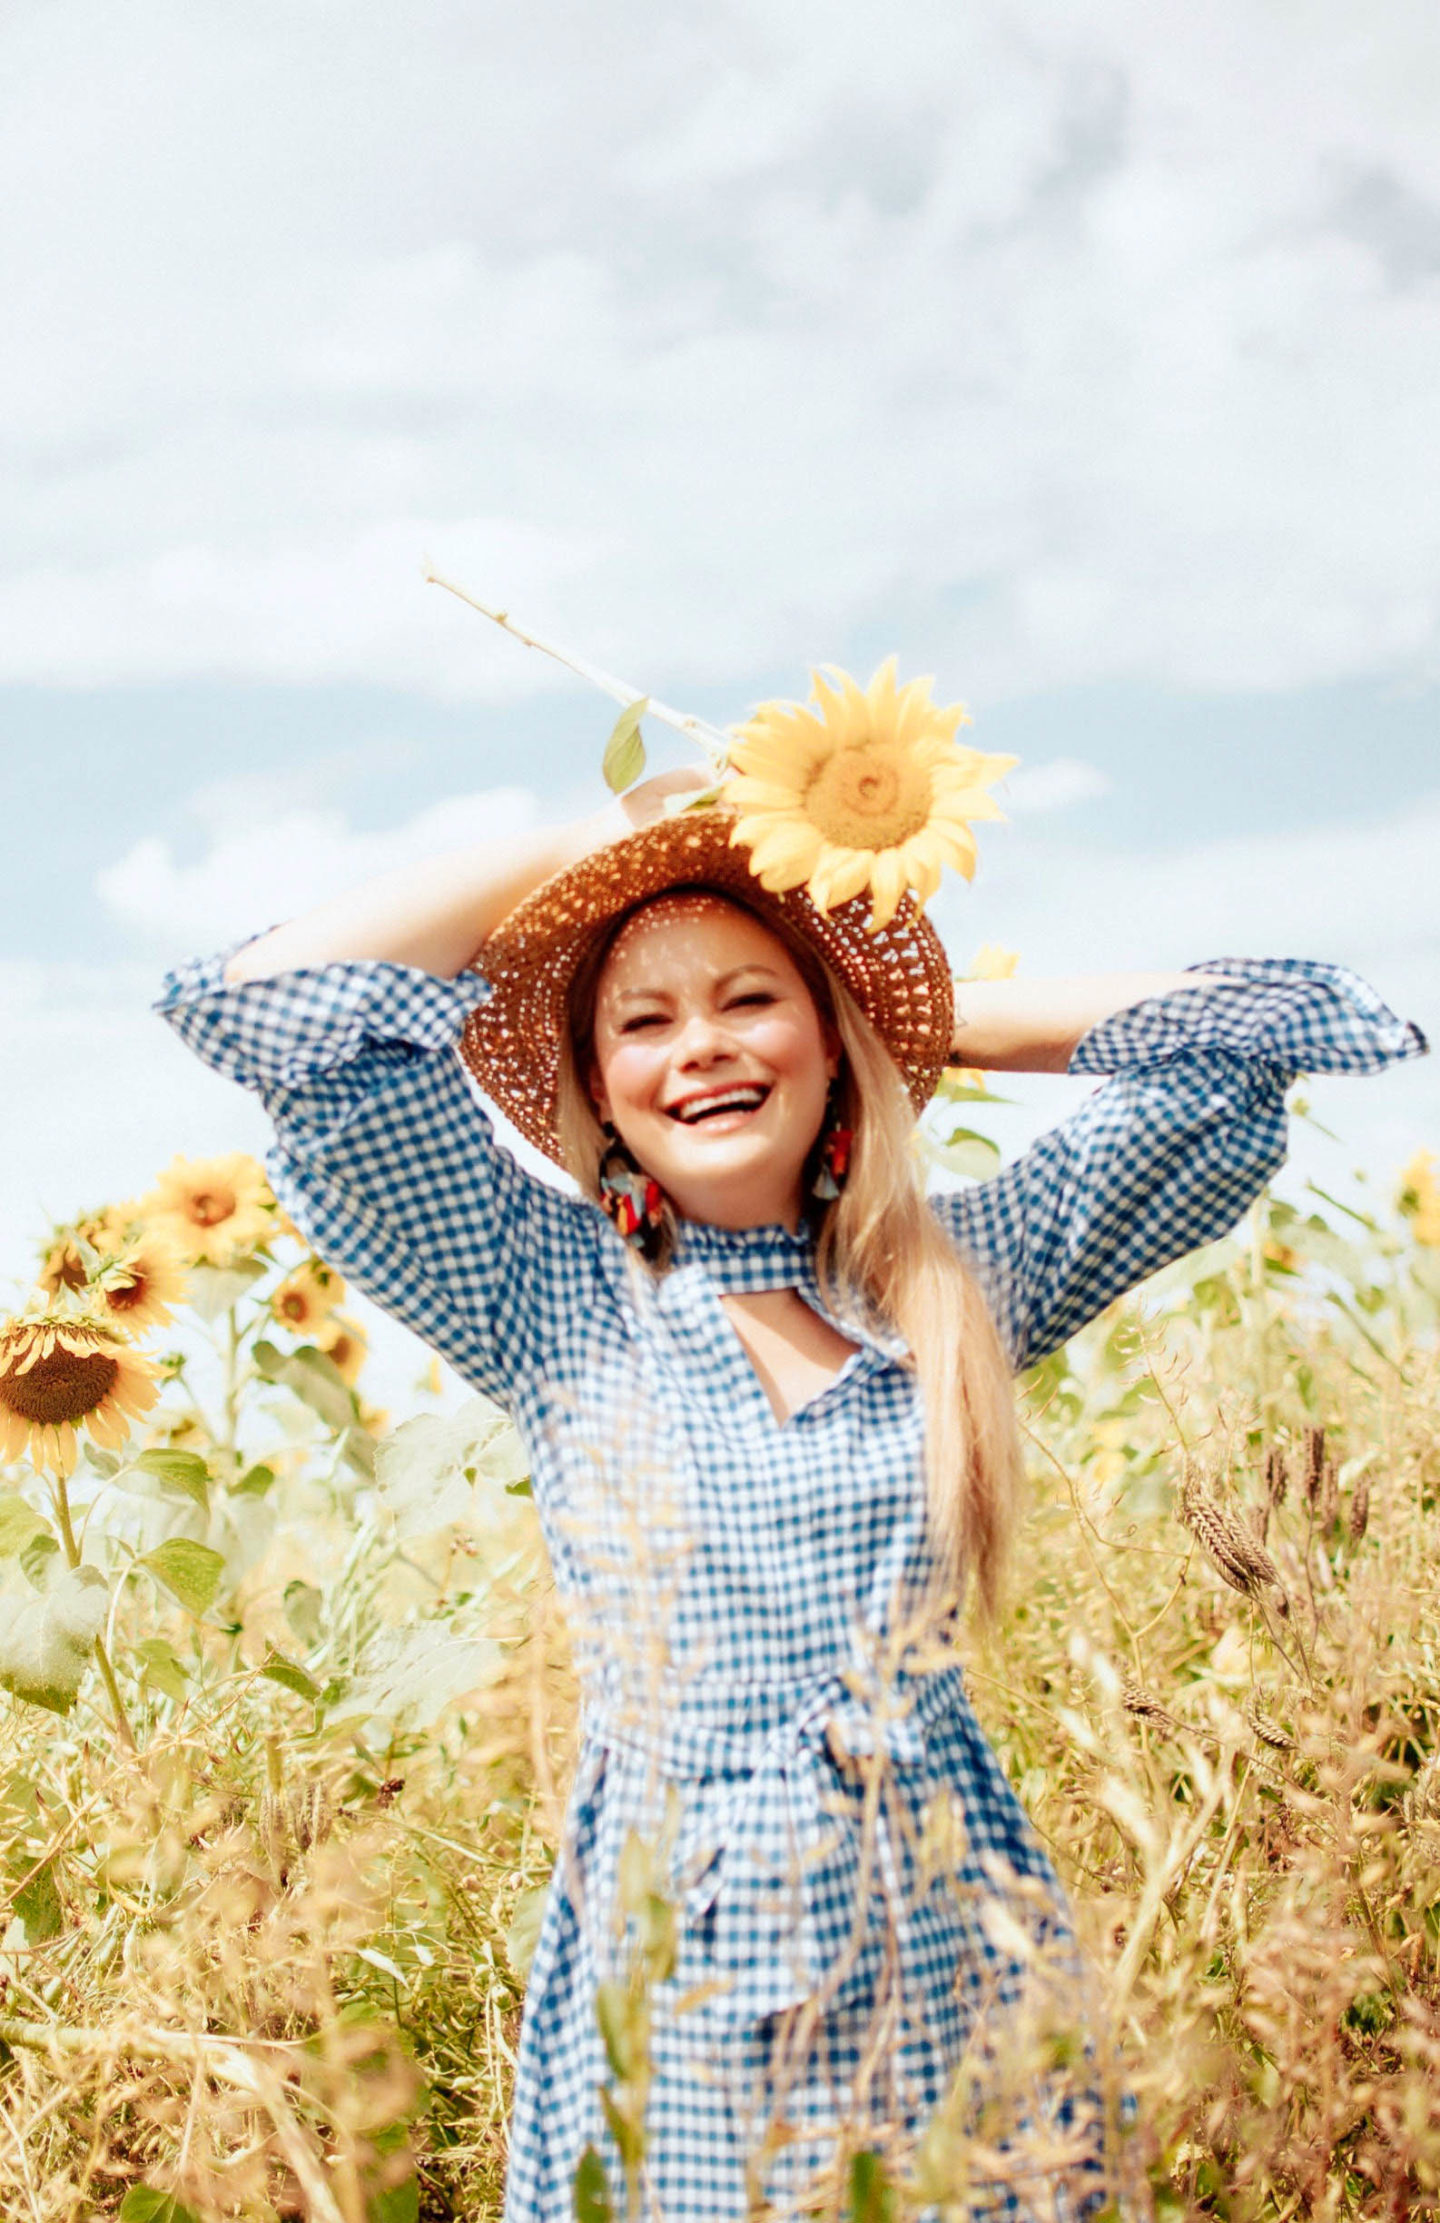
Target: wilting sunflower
(344, 1344)
(141, 1286)
(304, 1300)
(63, 1264)
(61, 1371)
(211, 1208)
(859, 788)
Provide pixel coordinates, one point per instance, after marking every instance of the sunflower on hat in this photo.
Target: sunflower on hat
(860, 788)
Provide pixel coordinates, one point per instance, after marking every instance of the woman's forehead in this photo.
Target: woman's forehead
(691, 931)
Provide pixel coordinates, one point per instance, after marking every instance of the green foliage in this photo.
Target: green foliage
(624, 758)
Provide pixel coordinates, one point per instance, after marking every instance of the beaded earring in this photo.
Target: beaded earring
(833, 1162)
(630, 1197)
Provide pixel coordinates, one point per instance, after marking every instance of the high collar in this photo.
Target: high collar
(746, 1260)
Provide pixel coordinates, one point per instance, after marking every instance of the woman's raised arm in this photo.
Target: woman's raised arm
(434, 915)
(1036, 1026)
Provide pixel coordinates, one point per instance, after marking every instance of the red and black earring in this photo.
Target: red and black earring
(631, 1197)
(833, 1159)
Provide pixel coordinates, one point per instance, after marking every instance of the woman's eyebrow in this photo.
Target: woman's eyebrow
(657, 995)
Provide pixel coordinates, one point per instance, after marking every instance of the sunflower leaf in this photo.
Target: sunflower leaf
(18, 1523)
(185, 1471)
(624, 758)
(190, 1572)
(45, 1646)
(289, 1675)
(427, 1468)
(160, 1667)
(213, 1289)
(40, 1559)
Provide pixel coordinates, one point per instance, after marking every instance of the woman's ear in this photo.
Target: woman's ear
(834, 1050)
(595, 1089)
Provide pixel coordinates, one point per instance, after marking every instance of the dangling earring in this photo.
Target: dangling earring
(631, 1197)
(833, 1162)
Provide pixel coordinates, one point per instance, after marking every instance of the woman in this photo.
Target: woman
(766, 1397)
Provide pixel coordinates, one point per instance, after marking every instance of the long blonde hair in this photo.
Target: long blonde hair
(881, 1255)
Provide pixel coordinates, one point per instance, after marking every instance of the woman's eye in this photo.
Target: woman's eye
(642, 1019)
(756, 995)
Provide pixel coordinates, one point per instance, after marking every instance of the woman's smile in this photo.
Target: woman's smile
(711, 1059)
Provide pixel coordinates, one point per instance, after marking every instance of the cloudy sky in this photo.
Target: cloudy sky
(1083, 352)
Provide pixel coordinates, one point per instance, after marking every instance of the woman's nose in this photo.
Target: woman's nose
(703, 1037)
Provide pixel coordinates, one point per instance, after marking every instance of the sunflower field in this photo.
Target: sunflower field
(290, 1714)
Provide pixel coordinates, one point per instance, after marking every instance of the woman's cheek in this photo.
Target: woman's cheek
(631, 1075)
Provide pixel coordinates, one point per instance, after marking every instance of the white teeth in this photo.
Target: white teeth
(738, 1099)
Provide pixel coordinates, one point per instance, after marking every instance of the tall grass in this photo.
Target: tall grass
(271, 1962)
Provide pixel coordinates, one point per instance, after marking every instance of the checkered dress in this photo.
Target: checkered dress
(854, 1879)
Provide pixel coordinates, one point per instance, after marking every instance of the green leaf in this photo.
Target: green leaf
(290, 1675)
(38, 1906)
(18, 1523)
(950, 1090)
(592, 2191)
(304, 1607)
(966, 1152)
(624, 758)
(870, 2197)
(254, 1482)
(161, 1668)
(398, 2203)
(414, 1674)
(190, 1571)
(184, 1471)
(144, 2204)
(46, 1645)
(317, 1381)
(523, 1934)
(211, 1290)
(427, 1469)
(39, 1559)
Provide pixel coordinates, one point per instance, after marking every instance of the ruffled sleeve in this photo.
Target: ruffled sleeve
(383, 1153)
(1171, 1151)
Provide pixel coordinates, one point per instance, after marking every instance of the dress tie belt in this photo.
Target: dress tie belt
(773, 1875)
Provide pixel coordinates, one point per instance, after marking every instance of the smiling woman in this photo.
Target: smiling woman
(799, 1914)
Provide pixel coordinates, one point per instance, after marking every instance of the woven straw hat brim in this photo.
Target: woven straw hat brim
(899, 975)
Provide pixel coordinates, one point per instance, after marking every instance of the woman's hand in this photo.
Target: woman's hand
(641, 806)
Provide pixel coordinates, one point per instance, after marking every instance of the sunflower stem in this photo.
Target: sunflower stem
(107, 1677)
(60, 1497)
(715, 743)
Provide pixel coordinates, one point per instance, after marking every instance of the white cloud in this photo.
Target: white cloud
(263, 868)
(711, 340)
(1058, 785)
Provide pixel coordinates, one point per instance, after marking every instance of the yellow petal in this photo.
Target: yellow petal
(887, 886)
(790, 846)
(746, 793)
(840, 874)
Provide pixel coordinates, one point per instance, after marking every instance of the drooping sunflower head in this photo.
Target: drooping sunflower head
(75, 1252)
(213, 1208)
(344, 1344)
(859, 788)
(305, 1299)
(144, 1282)
(63, 1370)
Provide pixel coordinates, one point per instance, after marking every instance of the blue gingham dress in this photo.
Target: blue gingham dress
(749, 1715)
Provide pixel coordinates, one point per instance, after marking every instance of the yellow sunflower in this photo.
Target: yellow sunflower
(305, 1299)
(212, 1208)
(143, 1284)
(344, 1344)
(859, 788)
(61, 1371)
(62, 1264)
(1420, 1197)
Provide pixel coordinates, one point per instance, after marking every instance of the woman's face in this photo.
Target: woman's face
(711, 1060)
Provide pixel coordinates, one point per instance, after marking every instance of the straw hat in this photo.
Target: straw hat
(898, 975)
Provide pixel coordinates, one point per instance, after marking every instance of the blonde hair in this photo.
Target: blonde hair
(882, 1256)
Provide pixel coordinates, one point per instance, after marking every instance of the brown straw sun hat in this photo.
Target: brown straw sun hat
(898, 974)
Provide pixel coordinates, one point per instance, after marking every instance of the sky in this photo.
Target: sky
(1080, 352)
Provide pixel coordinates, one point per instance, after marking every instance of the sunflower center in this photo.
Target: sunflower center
(293, 1306)
(872, 796)
(65, 1386)
(208, 1207)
